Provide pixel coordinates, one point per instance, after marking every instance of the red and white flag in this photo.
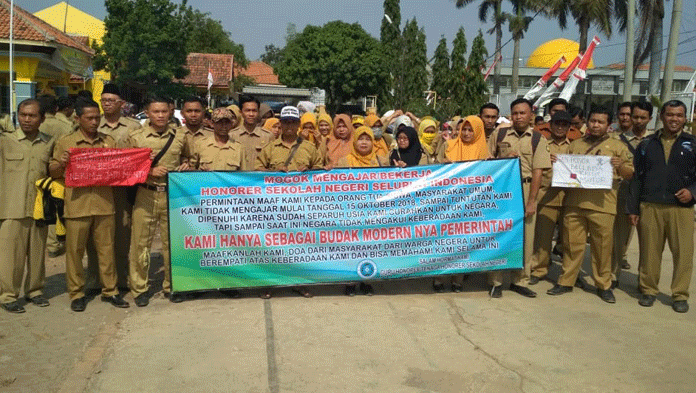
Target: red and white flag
(581, 72)
(497, 59)
(558, 83)
(541, 83)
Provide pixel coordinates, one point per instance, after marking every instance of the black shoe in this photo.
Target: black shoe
(496, 292)
(625, 265)
(524, 291)
(175, 297)
(580, 283)
(614, 284)
(116, 301)
(231, 293)
(607, 295)
(457, 288)
(350, 290)
(13, 307)
(366, 289)
(439, 288)
(39, 300)
(92, 292)
(559, 290)
(680, 306)
(534, 280)
(78, 305)
(141, 300)
(647, 300)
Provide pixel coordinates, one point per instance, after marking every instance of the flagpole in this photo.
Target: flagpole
(12, 105)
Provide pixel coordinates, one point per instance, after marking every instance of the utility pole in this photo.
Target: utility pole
(671, 51)
(630, 48)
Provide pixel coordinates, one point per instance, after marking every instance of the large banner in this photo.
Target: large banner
(107, 167)
(259, 229)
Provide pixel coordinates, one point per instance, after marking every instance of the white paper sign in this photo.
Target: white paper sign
(578, 171)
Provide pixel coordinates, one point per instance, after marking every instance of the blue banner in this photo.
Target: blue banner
(262, 229)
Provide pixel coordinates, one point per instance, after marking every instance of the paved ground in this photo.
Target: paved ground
(403, 339)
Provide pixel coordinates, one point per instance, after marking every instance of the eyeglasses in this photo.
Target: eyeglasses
(402, 138)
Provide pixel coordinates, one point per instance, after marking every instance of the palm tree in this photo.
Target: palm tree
(498, 20)
(584, 13)
(518, 24)
(649, 43)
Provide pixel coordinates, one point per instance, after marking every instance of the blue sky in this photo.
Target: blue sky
(258, 23)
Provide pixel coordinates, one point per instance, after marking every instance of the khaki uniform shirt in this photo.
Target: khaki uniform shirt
(634, 141)
(23, 163)
(147, 137)
(54, 127)
(273, 157)
(598, 200)
(83, 201)
(667, 143)
(253, 142)
(68, 122)
(120, 131)
(522, 145)
(552, 196)
(208, 155)
(190, 138)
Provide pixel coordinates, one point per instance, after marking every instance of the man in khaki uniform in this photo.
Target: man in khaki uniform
(592, 211)
(288, 152)
(88, 212)
(249, 134)
(118, 127)
(66, 109)
(151, 206)
(24, 156)
(550, 208)
(193, 111)
(52, 126)
(623, 230)
(661, 203)
(218, 152)
(521, 141)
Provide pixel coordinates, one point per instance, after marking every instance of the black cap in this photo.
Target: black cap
(111, 88)
(561, 116)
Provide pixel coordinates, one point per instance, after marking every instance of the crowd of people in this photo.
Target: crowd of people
(653, 189)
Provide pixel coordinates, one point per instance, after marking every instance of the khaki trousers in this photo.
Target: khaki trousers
(122, 235)
(676, 225)
(78, 232)
(23, 242)
(52, 242)
(547, 218)
(577, 224)
(149, 211)
(623, 232)
(520, 277)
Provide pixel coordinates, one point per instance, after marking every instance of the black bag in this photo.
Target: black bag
(132, 191)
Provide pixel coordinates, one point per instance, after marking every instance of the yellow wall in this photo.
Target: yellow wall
(83, 24)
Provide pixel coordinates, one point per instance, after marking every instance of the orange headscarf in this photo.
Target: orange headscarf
(269, 123)
(380, 146)
(357, 160)
(371, 119)
(308, 117)
(338, 148)
(458, 150)
(327, 118)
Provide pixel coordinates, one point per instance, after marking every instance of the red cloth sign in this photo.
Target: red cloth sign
(107, 167)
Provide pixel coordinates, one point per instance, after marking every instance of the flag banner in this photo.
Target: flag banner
(262, 229)
(580, 72)
(557, 84)
(578, 171)
(541, 83)
(107, 167)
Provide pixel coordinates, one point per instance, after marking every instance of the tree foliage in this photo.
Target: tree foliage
(392, 44)
(475, 87)
(415, 62)
(272, 56)
(206, 35)
(142, 42)
(584, 12)
(441, 70)
(338, 57)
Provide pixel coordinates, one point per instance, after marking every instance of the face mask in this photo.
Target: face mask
(377, 131)
(428, 137)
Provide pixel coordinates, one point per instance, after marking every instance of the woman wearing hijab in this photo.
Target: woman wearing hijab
(339, 143)
(409, 151)
(237, 115)
(382, 140)
(308, 129)
(363, 154)
(325, 124)
(470, 144)
(272, 125)
(427, 130)
(265, 113)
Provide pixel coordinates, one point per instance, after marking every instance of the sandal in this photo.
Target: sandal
(302, 292)
(265, 295)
